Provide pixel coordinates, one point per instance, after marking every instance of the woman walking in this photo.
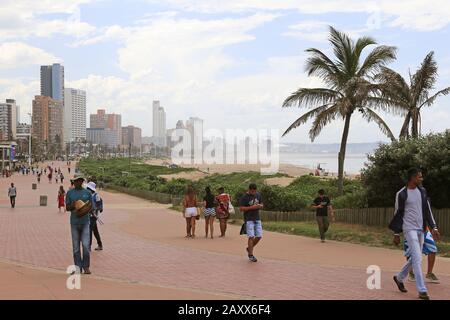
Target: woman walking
(209, 211)
(61, 199)
(223, 202)
(190, 211)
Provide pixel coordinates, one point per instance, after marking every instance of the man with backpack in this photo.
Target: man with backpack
(97, 207)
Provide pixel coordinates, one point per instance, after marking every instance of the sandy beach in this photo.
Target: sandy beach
(204, 170)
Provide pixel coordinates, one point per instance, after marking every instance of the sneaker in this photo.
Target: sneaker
(87, 271)
(424, 296)
(431, 277)
(323, 240)
(99, 248)
(400, 285)
(252, 258)
(411, 276)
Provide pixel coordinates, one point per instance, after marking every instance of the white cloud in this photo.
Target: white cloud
(423, 15)
(14, 54)
(22, 19)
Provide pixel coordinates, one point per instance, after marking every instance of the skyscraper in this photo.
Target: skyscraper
(74, 114)
(159, 124)
(8, 120)
(52, 81)
(112, 123)
(132, 135)
(47, 121)
(195, 127)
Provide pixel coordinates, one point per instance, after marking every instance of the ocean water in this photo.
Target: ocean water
(328, 161)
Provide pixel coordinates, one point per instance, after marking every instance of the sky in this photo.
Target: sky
(231, 63)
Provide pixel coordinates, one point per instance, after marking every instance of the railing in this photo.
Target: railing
(379, 217)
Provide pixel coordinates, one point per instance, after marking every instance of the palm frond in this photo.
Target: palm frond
(371, 115)
(304, 118)
(433, 98)
(343, 49)
(318, 64)
(322, 119)
(311, 96)
(362, 43)
(424, 78)
(377, 58)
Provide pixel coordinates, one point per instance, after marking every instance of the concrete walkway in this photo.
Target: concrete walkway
(147, 257)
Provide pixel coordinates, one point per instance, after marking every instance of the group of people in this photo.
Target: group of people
(219, 206)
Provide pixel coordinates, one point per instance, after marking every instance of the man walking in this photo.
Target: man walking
(250, 204)
(79, 225)
(412, 217)
(12, 193)
(430, 250)
(322, 204)
(97, 207)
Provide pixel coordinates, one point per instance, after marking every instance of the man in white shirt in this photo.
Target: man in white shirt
(412, 217)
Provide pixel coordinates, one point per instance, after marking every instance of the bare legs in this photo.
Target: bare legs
(209, 224)
(223, 227)
(193, 227)
(431, 260)
(252, 242)
(188, 227)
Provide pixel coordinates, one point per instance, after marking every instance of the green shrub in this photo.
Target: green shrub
(385, 172)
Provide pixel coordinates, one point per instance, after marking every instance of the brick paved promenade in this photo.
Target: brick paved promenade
(146, 257)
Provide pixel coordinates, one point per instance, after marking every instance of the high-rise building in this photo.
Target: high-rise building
(102, 136)
(48, 117)
(8, 120)
(52, 81)
(74, 114)
(195, 127)
(159, 124)
(112, 122)
(132, 135)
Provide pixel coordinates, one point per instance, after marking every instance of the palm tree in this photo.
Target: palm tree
(396, 92)
(348, 88)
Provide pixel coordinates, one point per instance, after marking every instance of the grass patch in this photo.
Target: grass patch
(358, 234)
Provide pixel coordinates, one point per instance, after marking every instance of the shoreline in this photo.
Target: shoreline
(202, 170)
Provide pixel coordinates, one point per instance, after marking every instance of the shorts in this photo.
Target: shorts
(429, 246)
(209, 212)
(254, 229)
(190, 212)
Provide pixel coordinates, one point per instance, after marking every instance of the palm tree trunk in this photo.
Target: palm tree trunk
(404, 132)
(341, 156)
(415, 124)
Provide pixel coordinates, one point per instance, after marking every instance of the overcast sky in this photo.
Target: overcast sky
(231, 62)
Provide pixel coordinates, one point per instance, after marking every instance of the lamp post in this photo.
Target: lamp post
(29, 139)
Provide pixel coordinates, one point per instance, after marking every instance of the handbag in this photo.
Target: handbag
(231, 208)
(197, 217)
(243, 229)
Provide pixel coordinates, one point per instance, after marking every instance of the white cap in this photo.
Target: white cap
(91, 186)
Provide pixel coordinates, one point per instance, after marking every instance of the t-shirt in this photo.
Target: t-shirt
(325, 202)
(248, 200)
(209, 201)
(413, 219)
(74, 195)
(12, 192)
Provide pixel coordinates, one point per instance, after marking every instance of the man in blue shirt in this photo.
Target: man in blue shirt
(80, 227)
